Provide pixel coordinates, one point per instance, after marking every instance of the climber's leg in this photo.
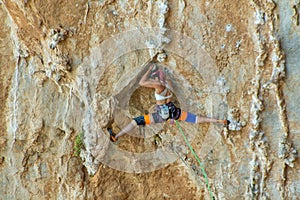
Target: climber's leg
(127, 128)
(192, 118)
(137, 121)
(154, 118)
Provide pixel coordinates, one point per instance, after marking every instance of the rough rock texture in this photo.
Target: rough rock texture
(71, 67)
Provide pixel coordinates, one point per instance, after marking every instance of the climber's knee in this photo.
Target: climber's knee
(188, 117)
(191, 118)
(140, 120)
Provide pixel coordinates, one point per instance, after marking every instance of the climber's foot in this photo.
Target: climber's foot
(226, 122)
(112, 135)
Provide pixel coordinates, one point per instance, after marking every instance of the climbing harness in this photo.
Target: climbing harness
(197, 158)
(168, 111)
(164, 111)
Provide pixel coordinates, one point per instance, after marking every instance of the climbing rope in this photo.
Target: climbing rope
(197, 158)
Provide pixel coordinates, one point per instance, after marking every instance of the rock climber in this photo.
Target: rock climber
(165, 108)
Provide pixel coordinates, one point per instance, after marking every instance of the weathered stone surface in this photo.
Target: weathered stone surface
(73, 66)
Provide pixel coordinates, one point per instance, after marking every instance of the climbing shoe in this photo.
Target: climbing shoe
(112, 135)
(226, 122)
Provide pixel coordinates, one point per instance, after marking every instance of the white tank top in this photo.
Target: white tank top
(162, 95)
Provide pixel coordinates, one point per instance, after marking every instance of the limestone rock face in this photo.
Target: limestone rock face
(73, 67)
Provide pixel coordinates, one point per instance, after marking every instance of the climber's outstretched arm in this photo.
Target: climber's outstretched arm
(146, 82)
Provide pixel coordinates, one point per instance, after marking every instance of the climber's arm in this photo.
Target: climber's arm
(145, 82)
(150, 84)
